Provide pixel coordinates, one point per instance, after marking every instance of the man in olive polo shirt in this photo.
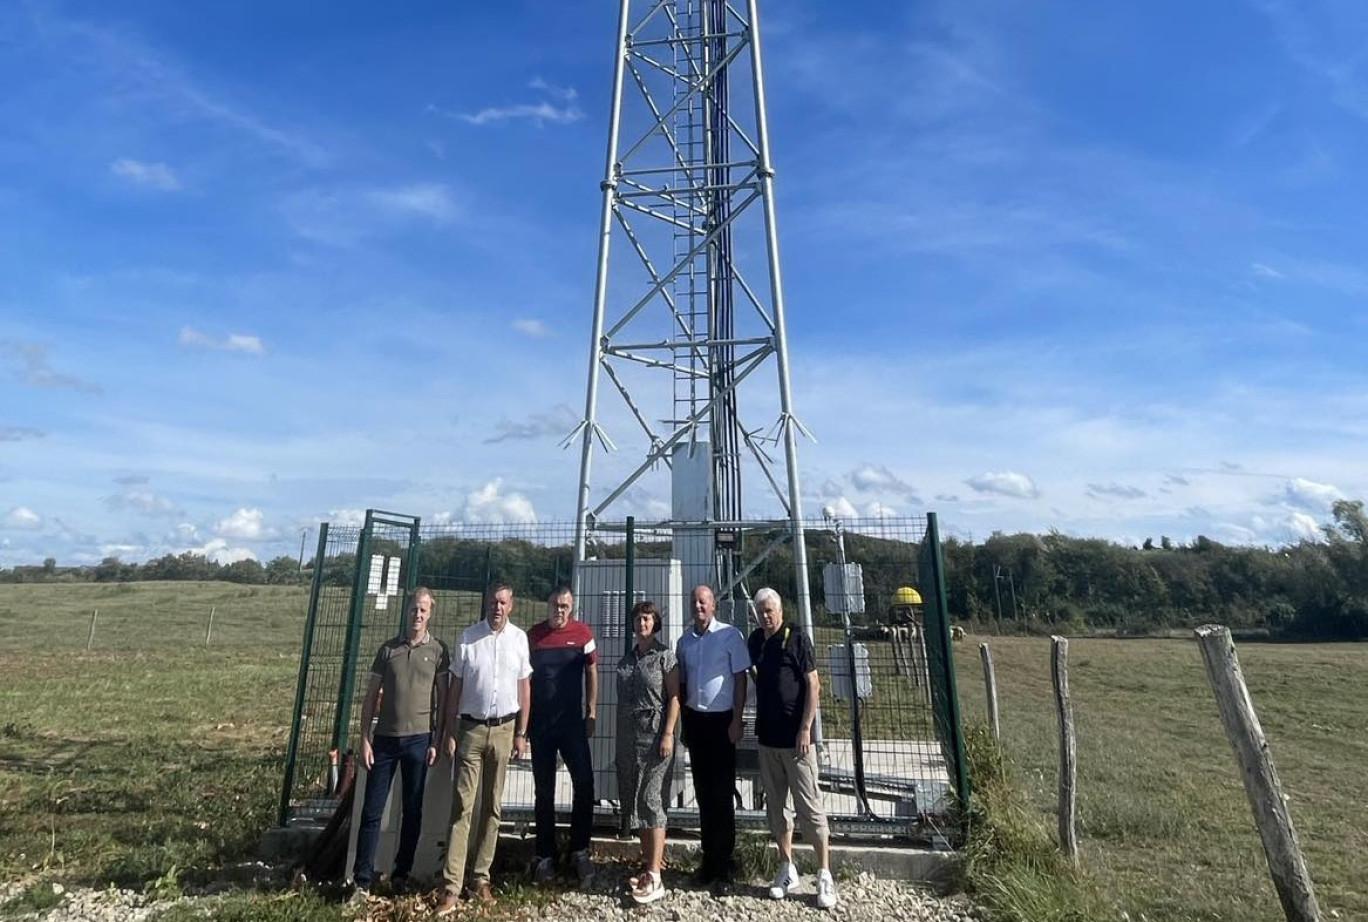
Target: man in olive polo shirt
(408, 683)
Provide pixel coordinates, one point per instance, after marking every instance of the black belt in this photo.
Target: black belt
(489, 721)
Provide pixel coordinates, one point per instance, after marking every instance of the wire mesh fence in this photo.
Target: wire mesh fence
(887, 756)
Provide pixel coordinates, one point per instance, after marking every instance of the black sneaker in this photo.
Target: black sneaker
(704, 876)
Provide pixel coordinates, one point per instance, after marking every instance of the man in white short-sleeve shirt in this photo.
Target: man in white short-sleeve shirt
(713, 662)
(487, 710)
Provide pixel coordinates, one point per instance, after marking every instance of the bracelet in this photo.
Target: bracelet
(521, 734)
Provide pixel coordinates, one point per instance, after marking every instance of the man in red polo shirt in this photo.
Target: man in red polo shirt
(564, 701)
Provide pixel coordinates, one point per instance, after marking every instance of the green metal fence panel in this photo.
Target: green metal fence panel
(900, 691)
(945, 696)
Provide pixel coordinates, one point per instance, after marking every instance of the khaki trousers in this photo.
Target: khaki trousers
(784, 772)
(482, 755)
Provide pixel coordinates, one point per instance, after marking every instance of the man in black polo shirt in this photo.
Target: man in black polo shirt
(786, 694)
(409, 681)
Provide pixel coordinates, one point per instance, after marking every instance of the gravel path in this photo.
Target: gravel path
(864, 898)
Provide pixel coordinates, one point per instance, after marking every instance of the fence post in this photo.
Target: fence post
(990, 686)
(301, 685)
(1285, 861)
(90, 638)
(209, 630)
(629, 581)
(1068, 749)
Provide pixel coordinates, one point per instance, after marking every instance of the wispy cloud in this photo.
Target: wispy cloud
(19, 433)
(1325, 49)
(1115, 491)
(555, 423)
(149, 74)
(153, 175)
(1175, 480)
(22, 518)
(344, 216)
(566, 93)
(1004, 483)
(1263, 271)
(532, 327)
(428, 200)
(190, 337)
(34, 370)
(561, 109)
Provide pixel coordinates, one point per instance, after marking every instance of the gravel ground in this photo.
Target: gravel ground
(864, 898)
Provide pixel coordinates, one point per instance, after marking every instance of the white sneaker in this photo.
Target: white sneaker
(826, 890)
(784, 881)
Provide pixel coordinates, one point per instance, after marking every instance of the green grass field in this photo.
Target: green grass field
(155, 758)
(1165, 829)
(151, 751)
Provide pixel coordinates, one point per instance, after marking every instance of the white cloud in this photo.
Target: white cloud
(142, 502)
(1267, 272)
(877, 477)
(21, 518)
(221, 552)
(233, 342)
(1301, 493)
(153, 175)
(1304, 526)
(488, 504)
(19, 433)
(532, 327)
(838, 507)
(347, 518)
(1004, 483)
(244, 524)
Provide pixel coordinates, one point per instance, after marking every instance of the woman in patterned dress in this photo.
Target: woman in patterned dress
(647, 710)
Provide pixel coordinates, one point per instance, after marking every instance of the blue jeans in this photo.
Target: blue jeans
(409, 755)
(573, 746)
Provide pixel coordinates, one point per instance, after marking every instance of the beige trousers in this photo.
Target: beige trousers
(782, 773)
(482, 755)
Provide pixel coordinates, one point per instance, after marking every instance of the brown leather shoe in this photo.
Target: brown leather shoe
(448, 904)
(482, 892)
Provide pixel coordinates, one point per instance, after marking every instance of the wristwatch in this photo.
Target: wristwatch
(521, 734)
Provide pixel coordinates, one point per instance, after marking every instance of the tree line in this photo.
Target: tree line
(1019, 582)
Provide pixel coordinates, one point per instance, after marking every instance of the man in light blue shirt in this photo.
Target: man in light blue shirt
(713, 661)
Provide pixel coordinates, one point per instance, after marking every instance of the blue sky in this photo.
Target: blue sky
(1099, 270)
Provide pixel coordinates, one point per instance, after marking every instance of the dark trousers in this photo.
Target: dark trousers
(572, 745)
(409, 755)
(712, 763)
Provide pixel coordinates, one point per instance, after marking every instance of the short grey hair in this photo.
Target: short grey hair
(767, 594)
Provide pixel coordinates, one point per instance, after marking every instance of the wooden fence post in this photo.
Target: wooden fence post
(1068, 749)
(990, 685)
(1290, 875)
(90, 638)
(209, 630)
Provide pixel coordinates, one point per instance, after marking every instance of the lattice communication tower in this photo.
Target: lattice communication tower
(688, 322)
